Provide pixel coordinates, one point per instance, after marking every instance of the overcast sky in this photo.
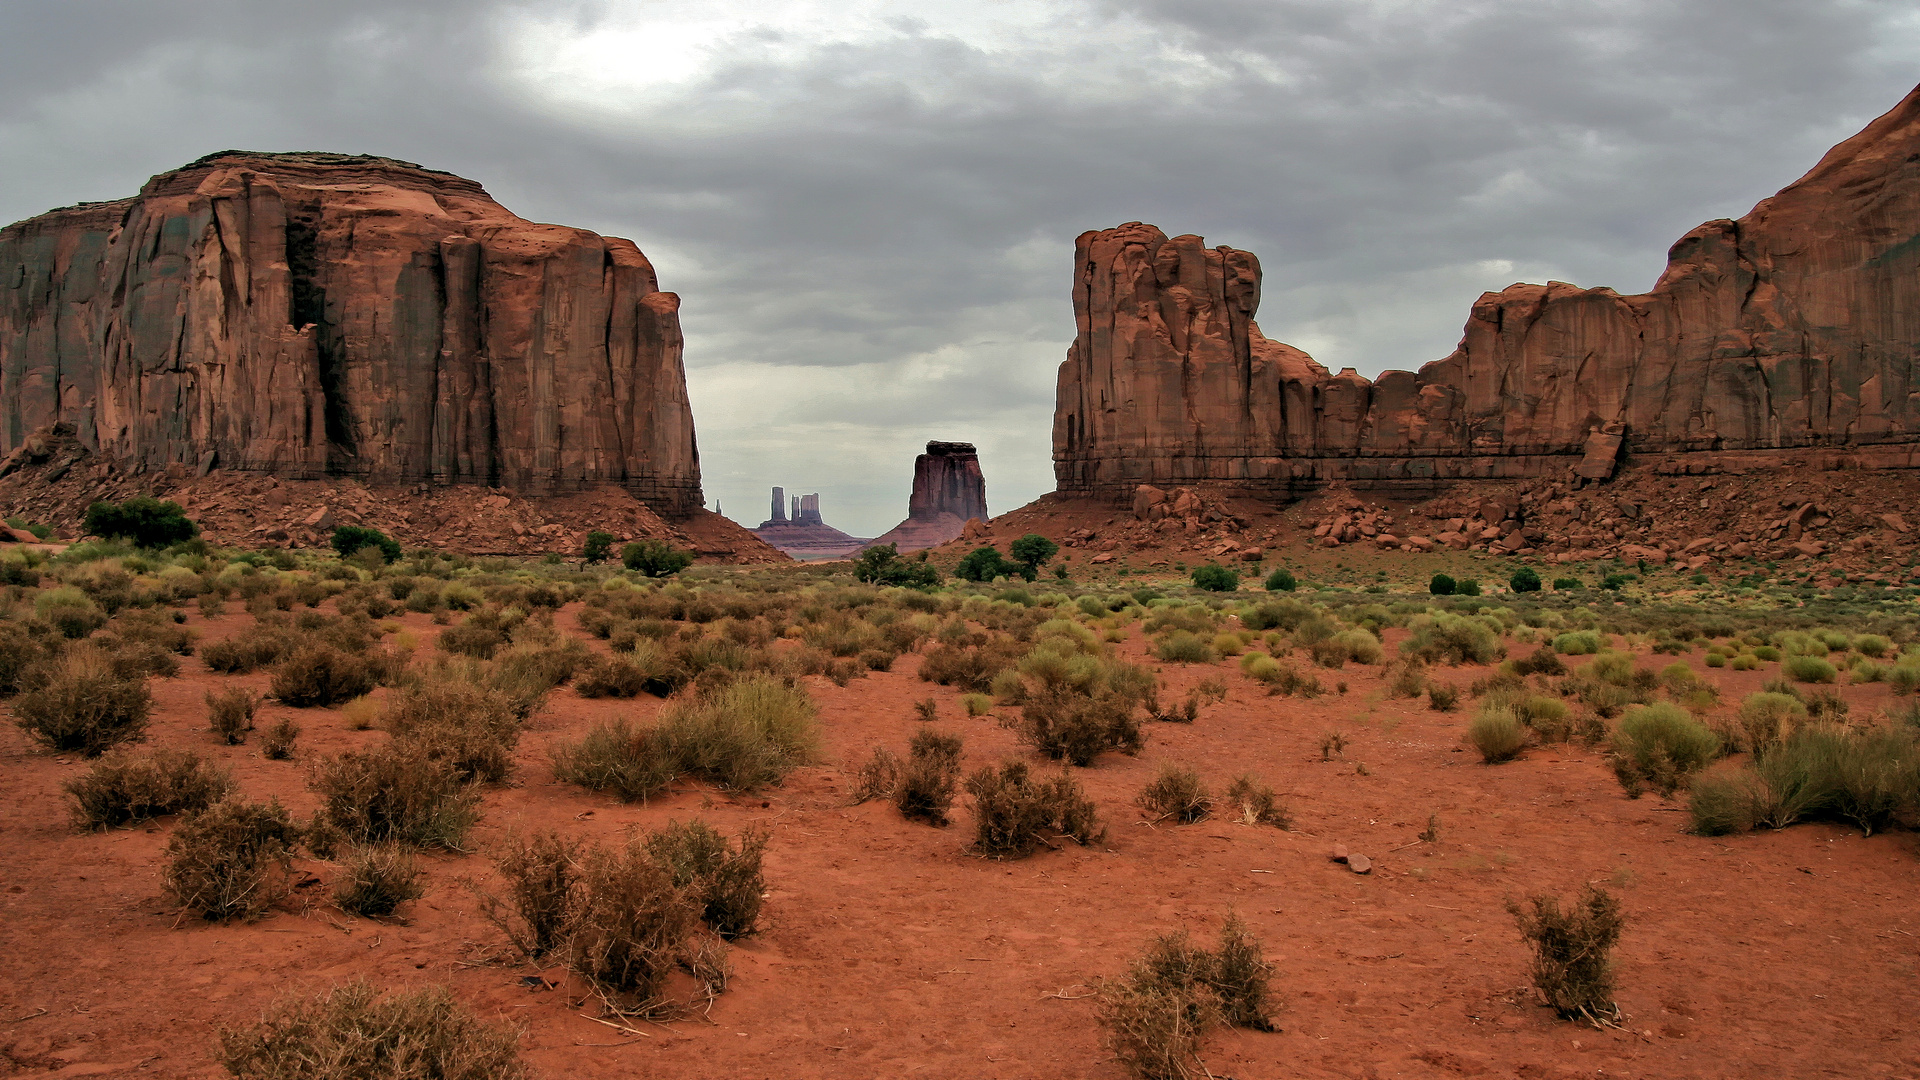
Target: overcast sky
(868, 207)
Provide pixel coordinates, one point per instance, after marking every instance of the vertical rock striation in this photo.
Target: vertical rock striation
(1795, 328)
(324, 314)
(948, 491)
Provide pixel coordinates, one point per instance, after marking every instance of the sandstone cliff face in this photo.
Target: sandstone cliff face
(1793, 328)
(322, 314)
(948, 491)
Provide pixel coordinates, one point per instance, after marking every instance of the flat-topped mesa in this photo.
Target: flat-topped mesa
(315, 314)
(948, 490)
(1795, 327)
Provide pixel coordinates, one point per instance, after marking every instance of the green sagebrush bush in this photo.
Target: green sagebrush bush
(1659, 746)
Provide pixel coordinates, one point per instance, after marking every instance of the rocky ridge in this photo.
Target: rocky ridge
(316, 315)
(1782, 334)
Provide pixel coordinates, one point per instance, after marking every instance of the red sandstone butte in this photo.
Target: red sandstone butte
(948, 490)
(316, 314)
(1790, 329)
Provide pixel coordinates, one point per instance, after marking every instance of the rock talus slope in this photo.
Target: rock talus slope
(316, 315)
(1793, 330)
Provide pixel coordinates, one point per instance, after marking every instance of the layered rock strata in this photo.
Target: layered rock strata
(313, 315)
(1793, 330)
(948, 491)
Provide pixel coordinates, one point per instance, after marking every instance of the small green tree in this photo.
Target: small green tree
(1524, 580)
(1033, 550)
(1215, 579)
(348, 539)
(143, 519)
(1466, 586)
(1441, 585)
(598, 548)
(985, 564)
(882, 565)
(1281, 580)
(655, 558)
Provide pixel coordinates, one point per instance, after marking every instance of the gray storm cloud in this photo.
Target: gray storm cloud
(869, 207)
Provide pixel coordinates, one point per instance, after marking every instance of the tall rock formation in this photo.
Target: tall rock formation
(948, 490)
(805, 535)
(323, 314)
(1795, 328)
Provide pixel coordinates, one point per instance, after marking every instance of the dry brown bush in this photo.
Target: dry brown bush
(231, 860)
(352, 1033)
(124, 788)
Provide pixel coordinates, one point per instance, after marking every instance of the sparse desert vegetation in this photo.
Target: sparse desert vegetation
(616, 781)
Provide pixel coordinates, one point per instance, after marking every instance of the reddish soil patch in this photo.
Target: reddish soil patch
(891, 952)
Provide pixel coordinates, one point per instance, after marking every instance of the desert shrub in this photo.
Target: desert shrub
(1281, 580)
(1524, 580)
(1573, 951)
(725, 883)
(976, 668)
(468, 725)
(377, 880)
(239, 655)
(1539, 662)
(1658, 746)
(353, 1033)
(230, 861)
(18, 652)
(1766, 719)
(123, 788)
(143, 519)
(1177, 793)
(1864, 777)
(747, 734)
(1283, 613)
(1407, 679)
(878, 777)
(1579, 642)
(1176, 991)
(1254, 803)
(655, 558)
(619, 758)
(541, 873)
(1183, 647)
(69, 610)
(1498, 734)
(230, 714)
(630, 928)
(882, 565)
(612, 676)
(320, 675)
(1442, 698)
(1014, 814)
(977, 704)
(1441, 585)
(1451, 639)
(277, 743)
(1065, 723)
(1356, 645)
(1810, 669)
(926, 785)
(1726, 801)
(598, 547)
(397, 793)
(1872, 645)
(77, 702)
(1215, 579)
(348, 540)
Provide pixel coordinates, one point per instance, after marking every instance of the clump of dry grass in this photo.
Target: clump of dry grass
(396, 794)
(1254, 803)
(124, 788)
(376, 880)
(1176, 991)
(1014, 814)
(352, 1033)
(1573, 952)
(230, 713)
(725, 882)
(277, 743)
(541, 874)
(1177, 793)
(878, 777)
(231, 860)
(78, 702)
(926, 785)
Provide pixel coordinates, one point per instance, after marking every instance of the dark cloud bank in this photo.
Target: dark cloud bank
(869, 208)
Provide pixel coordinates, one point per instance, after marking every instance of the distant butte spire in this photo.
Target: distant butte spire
(779, 505)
